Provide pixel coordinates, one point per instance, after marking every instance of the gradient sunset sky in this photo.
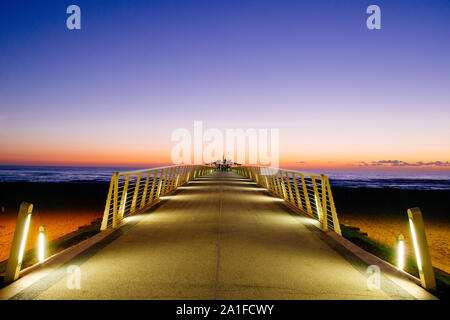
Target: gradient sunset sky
(112, 93)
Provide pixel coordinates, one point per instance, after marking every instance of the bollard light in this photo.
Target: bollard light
(421, 249)
(19, 242)
(415, 244)
(400, 251)
(23, 242)
(41, 243)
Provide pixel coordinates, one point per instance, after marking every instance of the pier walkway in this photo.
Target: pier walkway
(220, 236)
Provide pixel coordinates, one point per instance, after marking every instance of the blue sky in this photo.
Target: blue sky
(139, 69)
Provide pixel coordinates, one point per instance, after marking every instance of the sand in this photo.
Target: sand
(382, 214)
(61, 207)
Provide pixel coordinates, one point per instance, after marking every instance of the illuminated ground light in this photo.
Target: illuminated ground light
(416, 245)
(400, 252)
(24, 238)
(41, 244)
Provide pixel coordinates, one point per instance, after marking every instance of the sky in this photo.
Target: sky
(112, 93)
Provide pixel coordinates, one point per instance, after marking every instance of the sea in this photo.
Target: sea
(348, 179)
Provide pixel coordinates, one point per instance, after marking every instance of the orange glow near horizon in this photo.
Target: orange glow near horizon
(151, 146)
(144, 158)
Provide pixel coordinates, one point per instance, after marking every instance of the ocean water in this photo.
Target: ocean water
(58, 174)
(348, 179)
(389, 179)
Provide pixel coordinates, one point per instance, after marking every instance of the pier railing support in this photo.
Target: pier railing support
(19, 242)
(310, 193)
(128, 194)
(421, 249)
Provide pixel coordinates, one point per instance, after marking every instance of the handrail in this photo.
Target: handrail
(144, 187)
(311, 193)
(145, 169)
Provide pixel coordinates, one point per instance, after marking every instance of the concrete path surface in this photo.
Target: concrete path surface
(219, 237)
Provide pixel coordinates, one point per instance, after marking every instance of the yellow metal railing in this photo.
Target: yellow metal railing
(308, 192)
(134, 191)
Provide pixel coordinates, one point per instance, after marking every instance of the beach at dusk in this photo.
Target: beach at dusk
(213, 150)
(365, 200)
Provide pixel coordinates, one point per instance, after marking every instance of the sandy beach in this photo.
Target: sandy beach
(382, 214)
(61, 207)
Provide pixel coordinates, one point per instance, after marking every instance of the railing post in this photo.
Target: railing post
(123, 198)
(272, 180)
(317, 199)
(262, 177)
(163, 187)
(169, 179)
(305, 193)
(19, 243)
(268, 179)
(115, 202)
(177, 177)
(152, 190)
(336, 226)
(144, 193)
(297, 194)
(188, 174)
(173, 184)
(279, 190)
(288, 181)
(172, 179)
(421, 249)
(108, 203)
(281, 184)
(135, 194)
(179, 180)
(274, 183)
(324, 204)
(185, 171)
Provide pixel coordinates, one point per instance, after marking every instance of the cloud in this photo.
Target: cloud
(300, 162)
(399, 163)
